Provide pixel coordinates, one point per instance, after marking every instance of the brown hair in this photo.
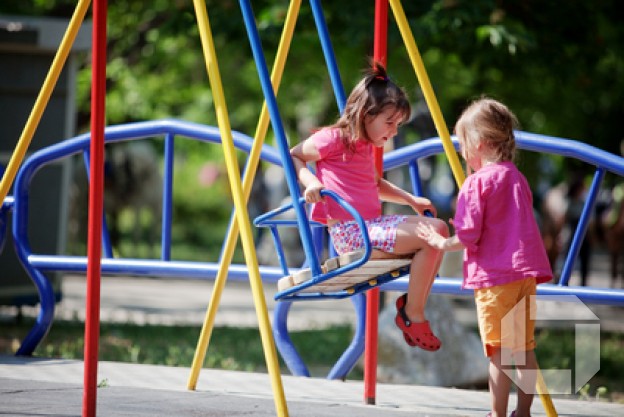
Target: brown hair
(491, 123)
(371, 96)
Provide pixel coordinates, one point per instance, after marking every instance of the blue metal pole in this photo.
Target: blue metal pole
(350, 356)
(165, 246)
(581, 229)
(106, 241)
(280, 136)
(328, 52)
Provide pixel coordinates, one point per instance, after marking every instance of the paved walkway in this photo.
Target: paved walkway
(36, 387)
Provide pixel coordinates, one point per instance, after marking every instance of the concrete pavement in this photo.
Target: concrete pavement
(42, 387)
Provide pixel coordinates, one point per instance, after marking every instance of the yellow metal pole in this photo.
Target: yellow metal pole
(242, 215)
(542, 390)
(250, 171)
(425, 85)
(44, 96)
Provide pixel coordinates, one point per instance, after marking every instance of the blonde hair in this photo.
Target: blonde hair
(371, 96)
(491, 123)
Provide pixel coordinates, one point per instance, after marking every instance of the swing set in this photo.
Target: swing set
(355, 276)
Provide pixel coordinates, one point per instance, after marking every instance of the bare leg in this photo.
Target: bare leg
(500, 384)
(527, 377)
(424, 267)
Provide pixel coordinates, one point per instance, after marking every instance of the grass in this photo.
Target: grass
(240, 349)
(230, 348)
(555, 350)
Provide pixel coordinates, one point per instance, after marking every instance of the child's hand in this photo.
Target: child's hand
(422, 204)
(426, 232)
(312, 193)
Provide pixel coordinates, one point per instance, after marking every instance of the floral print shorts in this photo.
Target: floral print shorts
(347, 236)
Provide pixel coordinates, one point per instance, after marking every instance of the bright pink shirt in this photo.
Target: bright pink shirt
(350, 174)
(495, 222)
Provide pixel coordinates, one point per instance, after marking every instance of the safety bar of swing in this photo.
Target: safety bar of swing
(266, 219)
(263, 219)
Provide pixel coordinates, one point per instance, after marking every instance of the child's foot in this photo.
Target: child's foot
(415, 334)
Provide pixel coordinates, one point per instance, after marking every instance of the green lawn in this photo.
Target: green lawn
(230, 348)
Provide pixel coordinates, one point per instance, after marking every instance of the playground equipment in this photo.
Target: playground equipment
(38, 264)
(318, 281)
(98, 90)
(410, 156)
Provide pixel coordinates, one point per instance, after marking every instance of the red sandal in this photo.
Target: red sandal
(415, 334)
(400, 306)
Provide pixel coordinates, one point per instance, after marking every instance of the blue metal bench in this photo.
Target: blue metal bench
(38, 264)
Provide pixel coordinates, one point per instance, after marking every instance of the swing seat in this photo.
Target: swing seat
(366, 275)
(338, 277)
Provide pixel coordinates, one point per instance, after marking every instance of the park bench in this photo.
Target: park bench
(37, 264)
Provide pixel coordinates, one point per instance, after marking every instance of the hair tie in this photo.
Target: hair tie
(381, 78)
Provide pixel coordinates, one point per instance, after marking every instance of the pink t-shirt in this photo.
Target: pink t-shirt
(350, 174)
(495, 222)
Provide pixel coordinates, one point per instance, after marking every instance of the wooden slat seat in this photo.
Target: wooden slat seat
(365, 273)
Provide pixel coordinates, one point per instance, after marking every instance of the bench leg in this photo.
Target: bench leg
(284, 343)
(45, 316)
(355, 350)
(293, 360)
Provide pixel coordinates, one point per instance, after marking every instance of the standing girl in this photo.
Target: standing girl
(504, 255)
(343, 153)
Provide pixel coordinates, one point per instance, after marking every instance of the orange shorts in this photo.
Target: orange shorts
(506, 315)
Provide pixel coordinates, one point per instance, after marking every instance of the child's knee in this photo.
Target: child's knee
(441, 227)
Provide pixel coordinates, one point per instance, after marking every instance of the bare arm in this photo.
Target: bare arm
(393, 194)
(427, 233)
(301, 154)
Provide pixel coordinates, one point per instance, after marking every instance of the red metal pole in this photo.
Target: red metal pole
(96, 187)
(372, 296)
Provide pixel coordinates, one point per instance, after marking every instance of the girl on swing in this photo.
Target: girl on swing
(343, 153)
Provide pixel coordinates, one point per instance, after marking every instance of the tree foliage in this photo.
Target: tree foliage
(557, 64)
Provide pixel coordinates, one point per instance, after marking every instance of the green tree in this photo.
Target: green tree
(558, 64)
